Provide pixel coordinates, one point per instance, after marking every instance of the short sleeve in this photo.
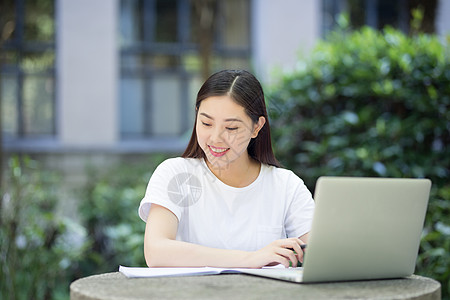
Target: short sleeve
(157, 189)
(301, 209)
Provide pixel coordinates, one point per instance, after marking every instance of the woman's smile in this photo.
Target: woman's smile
(218, 151)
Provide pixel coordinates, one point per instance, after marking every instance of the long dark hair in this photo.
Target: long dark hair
(246, 91)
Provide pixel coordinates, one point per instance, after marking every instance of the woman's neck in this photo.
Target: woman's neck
(238, 173)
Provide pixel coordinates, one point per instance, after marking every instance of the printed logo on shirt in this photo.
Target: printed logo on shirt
(184, 189)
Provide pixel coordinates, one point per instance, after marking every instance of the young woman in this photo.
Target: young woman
(226, 202)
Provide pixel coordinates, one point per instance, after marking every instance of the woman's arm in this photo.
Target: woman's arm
(162, 250)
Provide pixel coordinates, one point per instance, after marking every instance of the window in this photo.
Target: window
(161, 61)
(27, 72)
(377, 13)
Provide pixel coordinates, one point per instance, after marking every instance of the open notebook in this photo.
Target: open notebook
(137, 272)
(363, 228)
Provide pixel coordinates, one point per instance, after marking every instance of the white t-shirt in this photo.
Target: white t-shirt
(210, 213)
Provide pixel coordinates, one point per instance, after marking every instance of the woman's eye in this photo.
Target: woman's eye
(206, 124)
(232, 128)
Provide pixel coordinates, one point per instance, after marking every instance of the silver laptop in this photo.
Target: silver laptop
(363, 228)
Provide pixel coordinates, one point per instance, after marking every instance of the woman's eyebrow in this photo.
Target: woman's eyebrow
(233, 120)
(206, 115)
(226, 120)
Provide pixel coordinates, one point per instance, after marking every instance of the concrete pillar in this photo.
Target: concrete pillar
(87, 73)
(442, 19)
(283, 31)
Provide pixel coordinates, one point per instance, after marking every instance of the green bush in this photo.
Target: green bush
(370, 103)
(41, 252)
(109, 212)
(35, 250)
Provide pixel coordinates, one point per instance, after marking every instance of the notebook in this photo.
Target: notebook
(363, 228)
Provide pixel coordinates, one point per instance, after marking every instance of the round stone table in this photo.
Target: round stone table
(238, 286)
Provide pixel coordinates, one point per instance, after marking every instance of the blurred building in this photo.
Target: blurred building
(121, 76)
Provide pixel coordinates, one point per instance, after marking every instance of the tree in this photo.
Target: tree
(428, 11)
(205, 12)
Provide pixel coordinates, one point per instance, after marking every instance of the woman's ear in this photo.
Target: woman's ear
(258, 126)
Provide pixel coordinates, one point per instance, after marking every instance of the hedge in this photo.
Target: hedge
(373, 103)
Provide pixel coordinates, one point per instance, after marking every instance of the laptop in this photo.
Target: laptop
(363, 228)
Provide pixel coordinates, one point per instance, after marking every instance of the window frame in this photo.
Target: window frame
(183, 46)
(333, 8)
(20, 46)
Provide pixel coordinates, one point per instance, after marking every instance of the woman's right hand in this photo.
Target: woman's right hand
(284, 251)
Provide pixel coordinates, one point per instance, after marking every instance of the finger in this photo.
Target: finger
(283, 260)
(303, 247)
(276, 259)
(299, 251)
(295, 245)
(290, 255)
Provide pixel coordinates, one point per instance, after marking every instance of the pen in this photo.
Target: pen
(301, 246)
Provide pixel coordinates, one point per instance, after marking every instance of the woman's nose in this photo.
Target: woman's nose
(217, 135)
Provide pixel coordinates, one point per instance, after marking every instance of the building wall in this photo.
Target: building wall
(88, 63)
(87, 78)
(283, 31)
(443, 21)
(87, 73)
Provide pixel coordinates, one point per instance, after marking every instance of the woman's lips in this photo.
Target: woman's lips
(218, 151)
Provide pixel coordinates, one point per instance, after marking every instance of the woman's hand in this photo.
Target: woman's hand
(284, 251)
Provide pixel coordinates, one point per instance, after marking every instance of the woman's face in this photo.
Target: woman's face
(224, 130)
